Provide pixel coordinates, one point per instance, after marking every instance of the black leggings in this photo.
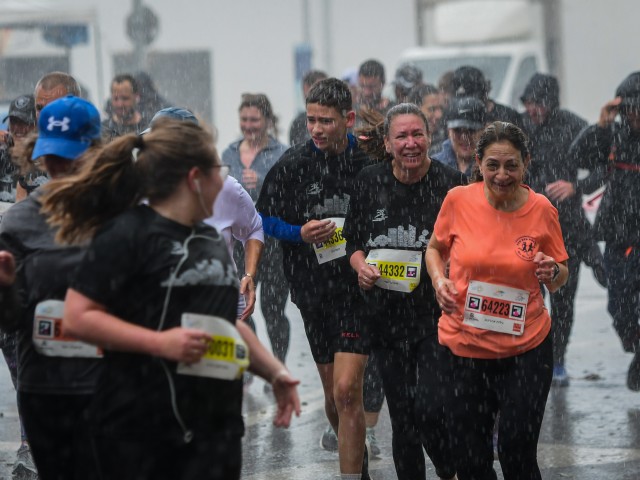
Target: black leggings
(415, 401)
(273, 295)
(57, 429)
(562, 308)
(517, 387)
(217, 457)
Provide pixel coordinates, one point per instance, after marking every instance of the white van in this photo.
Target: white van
(501, 38)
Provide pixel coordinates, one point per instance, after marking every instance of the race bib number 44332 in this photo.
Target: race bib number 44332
(399, 269)
(333, 248)
(496, 307)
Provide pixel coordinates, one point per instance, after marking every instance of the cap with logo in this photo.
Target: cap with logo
(466, 112)
(66, 128)
(23, 108)
(408, 76)
(176, 113)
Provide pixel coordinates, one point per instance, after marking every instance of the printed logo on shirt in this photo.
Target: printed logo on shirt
(381, 215)
(314, 189)
(526, 248)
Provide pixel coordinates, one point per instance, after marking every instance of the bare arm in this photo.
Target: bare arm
(445, 289)
(252, 253)
(367, 275)
(546, 270)
(89, 321)
(264, 364)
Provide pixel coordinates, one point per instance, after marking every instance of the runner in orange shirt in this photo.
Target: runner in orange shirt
(502, 240)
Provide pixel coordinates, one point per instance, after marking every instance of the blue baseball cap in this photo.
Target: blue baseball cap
(176, 113)
(66, 128)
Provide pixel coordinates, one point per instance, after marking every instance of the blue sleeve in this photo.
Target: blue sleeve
(281, 230)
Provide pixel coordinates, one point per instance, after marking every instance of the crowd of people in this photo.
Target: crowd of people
(418, 237)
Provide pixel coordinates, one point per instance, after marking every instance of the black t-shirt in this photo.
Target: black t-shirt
(307, 184)
(45, 270)
(388, 214)
(140, 264)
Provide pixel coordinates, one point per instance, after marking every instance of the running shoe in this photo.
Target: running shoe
(23, 467)
(329, 440)
(560, 377)
(633, 376)
(372, 442)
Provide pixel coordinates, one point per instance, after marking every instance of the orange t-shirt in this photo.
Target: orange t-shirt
(496, 247)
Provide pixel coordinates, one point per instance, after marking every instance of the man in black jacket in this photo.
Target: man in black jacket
(613, 147)
(554, 173)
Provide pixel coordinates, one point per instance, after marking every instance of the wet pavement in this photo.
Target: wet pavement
(591, 428)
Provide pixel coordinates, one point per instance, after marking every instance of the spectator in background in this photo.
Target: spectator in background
(551, 131)
(445, 86)
(466, 119)
(371, 80)
(124, 116)
(150, 101)
(430, 101)
(470, 81)
(21, 120)
(613, 147)
(407, 78)
(50, 87)
(298, 132)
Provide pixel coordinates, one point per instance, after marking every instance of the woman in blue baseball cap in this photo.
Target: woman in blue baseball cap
(56, 374)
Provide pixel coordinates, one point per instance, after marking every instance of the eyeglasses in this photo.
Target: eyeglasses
(224, 170)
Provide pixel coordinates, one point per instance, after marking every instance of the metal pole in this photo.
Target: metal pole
(328, 40)
(138, 45)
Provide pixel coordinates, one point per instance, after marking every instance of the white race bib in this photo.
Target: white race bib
(399, 269)
(227, 356)
(495, 307)
(333, 248)
(48, 338)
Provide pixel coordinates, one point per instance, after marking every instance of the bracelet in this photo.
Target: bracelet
(556, 272)
(247, 275)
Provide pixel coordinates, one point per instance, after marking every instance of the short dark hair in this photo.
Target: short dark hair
(372, 68)
(403, 109)
(125, 77)
(498, 132)
(417, 93)
(331, 92)
(312, 76)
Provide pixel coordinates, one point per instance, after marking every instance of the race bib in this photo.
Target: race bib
(48, 338)
(227, 356)
(496, 308)
(399, 269)
(333, 248)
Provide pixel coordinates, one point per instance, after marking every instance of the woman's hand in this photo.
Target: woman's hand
(183, 344)
(317, 231)
(368, 275)
(248, 289)
(286, 392)
(446, 294)
(546, 267)
(249, 179)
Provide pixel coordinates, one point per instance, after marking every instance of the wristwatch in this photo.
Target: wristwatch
(556, 272)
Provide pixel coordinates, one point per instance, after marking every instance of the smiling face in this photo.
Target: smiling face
(252, 123)
(502, 168)
(408, 142)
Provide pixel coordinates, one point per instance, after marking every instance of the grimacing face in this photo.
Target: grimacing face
(328, 127)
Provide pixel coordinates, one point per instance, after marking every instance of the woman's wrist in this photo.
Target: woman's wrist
(279, 374)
